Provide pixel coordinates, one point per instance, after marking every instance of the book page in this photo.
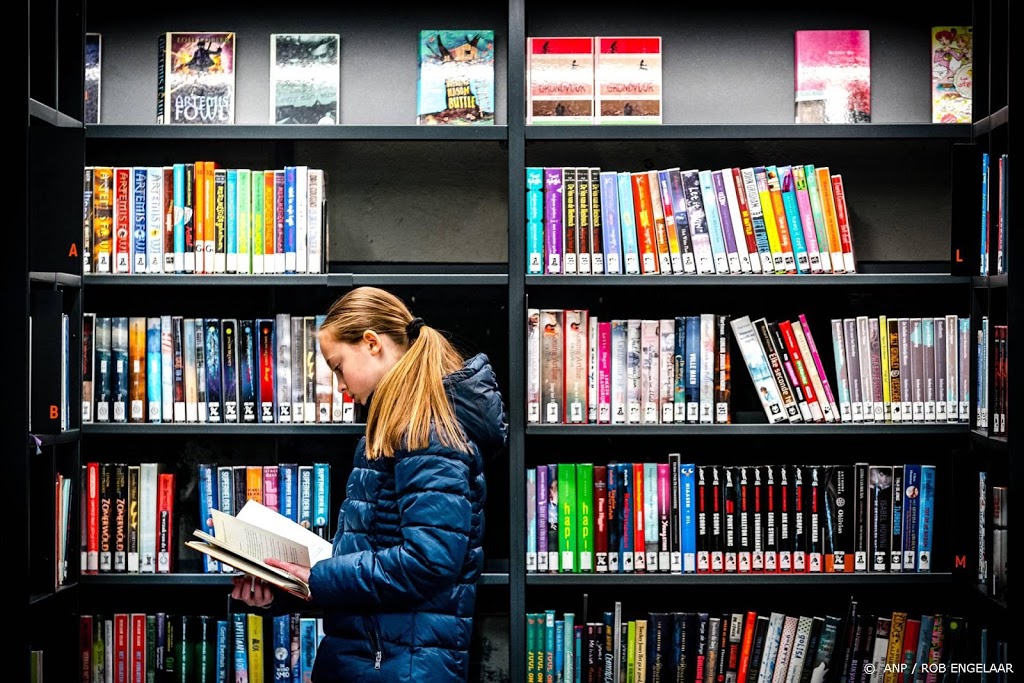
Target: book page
(268, 520)
(272, 575)
(256, 543)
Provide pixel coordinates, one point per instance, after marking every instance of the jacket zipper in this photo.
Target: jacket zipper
(374, 636)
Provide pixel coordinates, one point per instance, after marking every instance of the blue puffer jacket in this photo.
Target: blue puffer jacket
(399, 592)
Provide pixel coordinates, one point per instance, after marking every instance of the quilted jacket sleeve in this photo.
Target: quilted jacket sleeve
(433, 490)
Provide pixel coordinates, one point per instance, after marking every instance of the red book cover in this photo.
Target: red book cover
(643, 207)
(165, 522)
(121, 638)
(85, 626)
(639, 534)
(601, 517)
(833, 76)
(137, 650)
(92, 546)
(748, 222)
(843, 219)
(266, 365)
(122, 219)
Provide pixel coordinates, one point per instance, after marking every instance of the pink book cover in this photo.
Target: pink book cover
(952, 74)
(270, 488)
(833, 76)
(664, 499)
(560, 75)
(604, 374)
(803, 204)
(627, 77)
(829, 396)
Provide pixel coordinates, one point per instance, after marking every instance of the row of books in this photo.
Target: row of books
(770, 219)
(593, 79)
(62, 487)
(888, 369)
(172, 368)
(196, 217)
(993, 373)
(753, 647)
(680, 517)
(128, 511)
(995, 192)
(64, 409)
(300, 493)
(993, 510)
(136, 647)
(582, 370)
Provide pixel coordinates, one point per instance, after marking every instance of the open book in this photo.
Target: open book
(257, 533)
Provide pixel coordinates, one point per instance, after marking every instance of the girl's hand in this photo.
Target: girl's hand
(296, 570)
(252, 591)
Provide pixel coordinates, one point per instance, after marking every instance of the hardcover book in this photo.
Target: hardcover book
(456, 79)
(196, 78)
(952, 73)
(304, 78)
(560, 80)
(833, 76)
(93, 62)
(627, 79)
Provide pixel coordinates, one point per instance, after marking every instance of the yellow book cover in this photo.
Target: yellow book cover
(781, 222)
(256, 222)
(952, 73)
(254, 636)
(209, 207)
(254, 483)
(768, 213)
(894, 651)
(883, 336)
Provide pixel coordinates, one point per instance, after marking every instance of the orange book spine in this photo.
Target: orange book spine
(254, 483)
(661, 225)
(209, 207)
(781, 224)
(137, 369)
(644, 211)
(828, 208)
(199, 215)
(102, 218)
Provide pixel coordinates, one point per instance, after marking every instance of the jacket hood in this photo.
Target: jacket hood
(478, 404)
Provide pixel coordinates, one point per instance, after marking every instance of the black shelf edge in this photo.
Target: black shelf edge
(745, 429)
(801, 579)
(746, 280)
(997, 281)
(68, 436)
(225, 280)
(47, 114)
(59, 591)
(284, 133)
(768, 131)
(55, 278)
(233, 429)
(985, 439)
(1000, 117)
(203, 579)
(990, 601)
(471, 279)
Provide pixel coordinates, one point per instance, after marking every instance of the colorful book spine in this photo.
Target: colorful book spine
(627, 223)
(554, 230)
(698, 222)
(534, 220)
(926, 527)
(714, 222)
(803, 202)
(757, 221)
(729, 203)
(781, 218)
(725, 220)
(611, 228)
(793, 219)
(818, 217)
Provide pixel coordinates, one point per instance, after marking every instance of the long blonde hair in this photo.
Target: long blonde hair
(410, 399)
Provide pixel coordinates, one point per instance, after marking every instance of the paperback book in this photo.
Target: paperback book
(952, 74)
(833, 76)
(93, 62)
(304, 78)
(196, 78)
(245, 540)
(560, 80)
(627, 74)
(456, 78)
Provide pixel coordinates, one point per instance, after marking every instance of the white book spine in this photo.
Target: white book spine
(952, 365)
(533, 365)
(592, 358)
(316, 247)
(757, 365)
(864, 356)
(301, 221)
(707, 368)
(154, 257)
(147, 516)
(633, 371)
(666, 372)
(619, 403)
(650, 364)
(282, 384)
(167, 369)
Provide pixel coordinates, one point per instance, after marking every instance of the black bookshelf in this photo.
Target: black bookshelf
(852, 280)
(216, 580)
(355, 132)
(230, 429)
(724, 430)
(695, 580)
(781, 131)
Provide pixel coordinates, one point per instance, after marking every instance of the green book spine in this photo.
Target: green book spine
(256, 224)
(584, 516)
(531, 646)
(631, 651)
(567, 514)
(568, 668)
(182, 652)
(244, 222)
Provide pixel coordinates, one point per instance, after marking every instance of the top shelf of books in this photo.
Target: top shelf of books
(298, 132)
(769, 131)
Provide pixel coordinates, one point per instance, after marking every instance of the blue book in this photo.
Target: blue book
(222, 669)
(138, 219)
(926, 527)
(208, 499)
(911, 515)
(229, 368)
(212, 349)
(178, 213)
(693, 353)
(688, 517)
(290, 255)
(569, 646)
(627, 224)
(559, 651)
(240, 647)
(119, 378)
(679, 371)
(281, 649)
(714, 220)
(295, 645)
(231, 218)
(289, 490)
(154, 366)
(796, 229)
(247, 370)
(611, 231)
(984, 212)
(307, 648)
(321, 498)
(534, 220)
(306, 496)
